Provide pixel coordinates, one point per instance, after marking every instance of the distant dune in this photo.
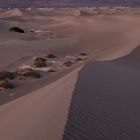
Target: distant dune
(10, 13)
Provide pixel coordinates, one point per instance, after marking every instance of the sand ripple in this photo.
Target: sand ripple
(106, 101)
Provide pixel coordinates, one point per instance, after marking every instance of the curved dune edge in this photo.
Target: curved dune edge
(112, 93)
(39, 115)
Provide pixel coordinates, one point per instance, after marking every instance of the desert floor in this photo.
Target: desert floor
(38, 109)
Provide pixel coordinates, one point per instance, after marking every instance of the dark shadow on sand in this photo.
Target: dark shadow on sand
(106, 101)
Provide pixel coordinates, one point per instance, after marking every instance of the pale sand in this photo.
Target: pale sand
(40, 115)
(104, 37)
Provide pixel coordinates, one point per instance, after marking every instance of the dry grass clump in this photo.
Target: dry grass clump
(51, 56)
(39, 62)
(67, 63)
(6, 85)
(6, 75)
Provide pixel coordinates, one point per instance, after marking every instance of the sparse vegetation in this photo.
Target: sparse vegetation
(85, 13)
(24, 70)
(79, 59)
(40, 59)
(67, 63)
(6, 75)
(51, 56)
(39, 62)
(52, 70)
(6, 85)
(30, 74)
(83, 54)
(16, 29)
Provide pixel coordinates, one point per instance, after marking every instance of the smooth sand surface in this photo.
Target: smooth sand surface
(64, 32)
(106, 100)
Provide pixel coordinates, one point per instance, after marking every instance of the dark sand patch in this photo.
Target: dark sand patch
(106, 101)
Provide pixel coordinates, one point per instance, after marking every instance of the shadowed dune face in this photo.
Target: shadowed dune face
(133, 58)
(105, 104)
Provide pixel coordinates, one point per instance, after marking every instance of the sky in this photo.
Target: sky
(78, 2)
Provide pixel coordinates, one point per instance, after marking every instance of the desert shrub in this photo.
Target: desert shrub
(25, 70)
(31, 74)
(39, 64)
(5, 84)
(16, 29)
(40, 59)
(52, 70)
(51, 56)
(84, 13)
(79, 59)
(6, 75)
(67, 63)
(83, 54)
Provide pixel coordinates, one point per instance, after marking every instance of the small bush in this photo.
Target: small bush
(16, 29)
(52, 70)
(67, 63)
(40, 59)
(5, 84)
(25, 70)
(39, 64)
(83, 54)
(6, 75)
(51, 56)
(79, 59)
(31, 74)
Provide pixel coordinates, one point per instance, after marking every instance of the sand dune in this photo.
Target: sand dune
(39, 115)
(42, 113)
(76, 35)
(10, 13)
(105, 103)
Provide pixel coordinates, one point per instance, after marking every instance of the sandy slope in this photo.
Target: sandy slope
(40, 115)
(10, 13)
(106, 100)
(104, 37)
